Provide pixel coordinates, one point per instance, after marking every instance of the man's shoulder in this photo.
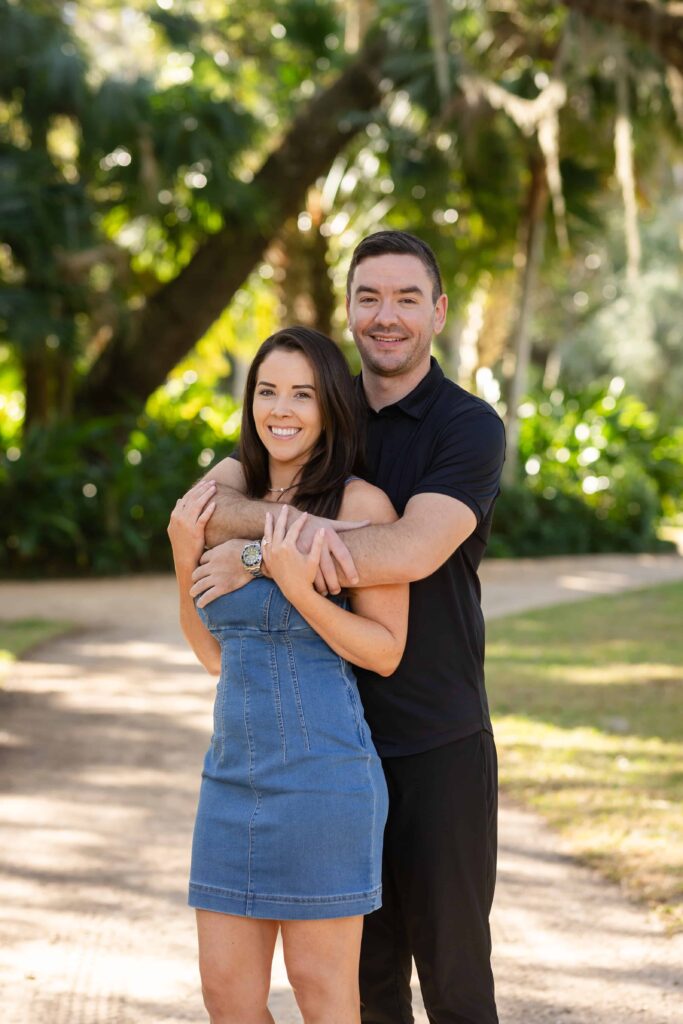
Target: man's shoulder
(454, 402)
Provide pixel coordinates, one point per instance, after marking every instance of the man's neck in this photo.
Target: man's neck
(382, 391)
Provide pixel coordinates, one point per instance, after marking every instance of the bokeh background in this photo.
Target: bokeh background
(180, 178)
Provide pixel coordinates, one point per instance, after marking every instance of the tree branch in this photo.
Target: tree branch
(177, 316)
(659, 26)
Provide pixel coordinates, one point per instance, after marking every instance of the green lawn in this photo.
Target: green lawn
(588, 712)
(19, 636)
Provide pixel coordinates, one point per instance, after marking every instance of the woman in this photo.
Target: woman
(293, 801)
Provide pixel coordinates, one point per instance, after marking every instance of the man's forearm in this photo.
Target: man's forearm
(431, 529)
(385, 554)
(236, 515)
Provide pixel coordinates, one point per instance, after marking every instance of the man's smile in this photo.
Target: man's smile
(387, 339)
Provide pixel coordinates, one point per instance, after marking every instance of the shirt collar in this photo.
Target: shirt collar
(415, 403)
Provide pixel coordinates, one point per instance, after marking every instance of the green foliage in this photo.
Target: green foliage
(97, 497)
(600, 472)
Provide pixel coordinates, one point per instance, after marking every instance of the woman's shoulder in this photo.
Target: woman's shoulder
(363, 500)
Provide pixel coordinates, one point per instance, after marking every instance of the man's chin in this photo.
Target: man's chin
(389, 365)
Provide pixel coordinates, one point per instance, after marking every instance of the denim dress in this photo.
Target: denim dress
(293, 801)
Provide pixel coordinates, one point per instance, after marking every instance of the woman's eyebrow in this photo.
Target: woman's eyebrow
(295, 387)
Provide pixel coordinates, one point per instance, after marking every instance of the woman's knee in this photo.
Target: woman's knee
(229, 998)
(318, 985)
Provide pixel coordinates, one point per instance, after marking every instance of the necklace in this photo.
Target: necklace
(280, 490)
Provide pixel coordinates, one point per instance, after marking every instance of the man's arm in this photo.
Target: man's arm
(431, 528)
(456, 489)
(235, 515)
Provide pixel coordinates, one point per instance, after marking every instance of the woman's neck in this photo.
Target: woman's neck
(282, 477)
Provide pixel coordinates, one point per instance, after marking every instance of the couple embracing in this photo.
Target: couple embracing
(349, 794)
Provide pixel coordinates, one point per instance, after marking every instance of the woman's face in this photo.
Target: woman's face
(286, 407)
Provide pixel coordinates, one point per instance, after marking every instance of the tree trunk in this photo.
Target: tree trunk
(37, 389)
(658, 26)
(301, 272)
(134, 364)
(533, 236)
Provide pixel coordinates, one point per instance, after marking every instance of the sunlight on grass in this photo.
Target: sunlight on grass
(21, 635)
(587, 709)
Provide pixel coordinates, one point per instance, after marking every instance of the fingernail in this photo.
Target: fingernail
(354, 580)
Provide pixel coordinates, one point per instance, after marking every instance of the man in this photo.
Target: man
(437, 451)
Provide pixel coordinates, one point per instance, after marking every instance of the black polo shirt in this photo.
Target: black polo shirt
(439, 439)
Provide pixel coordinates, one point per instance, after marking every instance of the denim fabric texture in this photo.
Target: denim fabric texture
(293, 801)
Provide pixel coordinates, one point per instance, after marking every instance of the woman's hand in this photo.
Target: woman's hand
(293, 571)
(188, 519)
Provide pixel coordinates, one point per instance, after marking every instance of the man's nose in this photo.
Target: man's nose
(386, 313)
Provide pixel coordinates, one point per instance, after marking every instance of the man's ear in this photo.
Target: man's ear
(440, 311)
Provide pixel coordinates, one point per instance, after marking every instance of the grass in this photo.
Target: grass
(21, 635)
(587, 709)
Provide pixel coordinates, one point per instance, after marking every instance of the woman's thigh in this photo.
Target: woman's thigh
(322, 956)
(235, 956)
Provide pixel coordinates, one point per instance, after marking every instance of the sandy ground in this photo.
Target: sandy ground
(102, 735)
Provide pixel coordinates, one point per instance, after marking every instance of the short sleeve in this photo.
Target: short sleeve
(467, 461)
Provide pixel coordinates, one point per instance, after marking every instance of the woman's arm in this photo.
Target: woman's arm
(186, 533)
(371, 636)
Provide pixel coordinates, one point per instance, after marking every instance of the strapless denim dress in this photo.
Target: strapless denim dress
(293, 801)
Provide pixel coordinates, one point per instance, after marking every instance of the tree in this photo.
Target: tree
(657, 25)
(128, 236)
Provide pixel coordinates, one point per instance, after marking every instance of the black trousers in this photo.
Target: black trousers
(439, 874)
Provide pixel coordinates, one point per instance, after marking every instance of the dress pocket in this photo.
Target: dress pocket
(354, 701)
(218, 739)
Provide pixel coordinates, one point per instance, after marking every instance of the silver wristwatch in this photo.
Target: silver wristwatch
(252, 557)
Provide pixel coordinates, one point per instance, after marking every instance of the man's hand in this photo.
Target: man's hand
(335, 557)
(220, 571)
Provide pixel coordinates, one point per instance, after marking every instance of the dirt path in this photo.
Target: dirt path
(101, 737)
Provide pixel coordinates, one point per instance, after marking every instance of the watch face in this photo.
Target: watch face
(251, 555)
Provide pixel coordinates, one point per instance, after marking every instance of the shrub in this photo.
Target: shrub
(599, 473)
(97, 497)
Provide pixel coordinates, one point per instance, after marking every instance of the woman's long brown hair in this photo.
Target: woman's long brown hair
(338, 451)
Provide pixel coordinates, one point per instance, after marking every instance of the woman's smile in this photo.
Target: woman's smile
(284, 432)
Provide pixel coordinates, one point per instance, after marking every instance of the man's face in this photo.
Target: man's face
(392, 314)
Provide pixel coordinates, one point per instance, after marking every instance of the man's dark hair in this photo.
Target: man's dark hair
(402, 243)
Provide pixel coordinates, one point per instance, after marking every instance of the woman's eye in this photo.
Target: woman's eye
(302, 394)
(265, 392)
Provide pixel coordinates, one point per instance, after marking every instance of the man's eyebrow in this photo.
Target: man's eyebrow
(411, 289)
(295, 387)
